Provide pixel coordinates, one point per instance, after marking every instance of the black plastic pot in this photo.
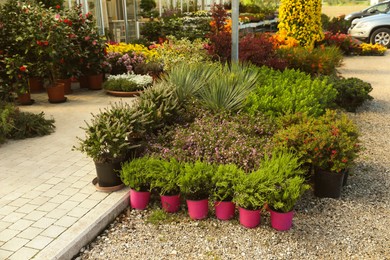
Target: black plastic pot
(108, 174)
(345, 178)
(328, 184)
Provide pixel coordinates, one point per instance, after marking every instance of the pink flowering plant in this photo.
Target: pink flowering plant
(124, 63)
(329, 142)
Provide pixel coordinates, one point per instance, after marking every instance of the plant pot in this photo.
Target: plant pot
(95, 82)
(139, 199)
(25, 99)
(124, 93)
(36, 85)
(224, 210)
(170, 204)
(67, 85)
(328, 184)
(83, 80)
(198, 209)
(281, 221)
(56, 93)
(108, 174)
(249, 218)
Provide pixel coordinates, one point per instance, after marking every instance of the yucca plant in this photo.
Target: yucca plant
(229, 87)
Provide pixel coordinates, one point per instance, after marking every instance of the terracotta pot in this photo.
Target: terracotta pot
(198, 209)
(139, 199)
(170, 204)
(67, 85)
(25, 99)
(95, 82)
(224, 210)
(36, 85)
(83, 80)
(281, 221)
(56, 93)
(249, 218)
(328, 184)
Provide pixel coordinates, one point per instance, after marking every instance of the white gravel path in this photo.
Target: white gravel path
(357, 226)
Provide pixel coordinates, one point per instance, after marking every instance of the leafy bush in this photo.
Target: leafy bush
(288, 183)
(217, 138)
(278, 93)
(127, 82)
(345, 42)
(224, 180)
(319, 61)
(336, 24)
(164, 176)
(352, 92)
(195, 180)
(7, 111)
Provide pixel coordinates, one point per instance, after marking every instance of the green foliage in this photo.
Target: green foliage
(128, 83)
(336, 24)
(318, 61)
(109, 135)
(329, 142)
(159, 216)
(288, 92)
(224, 180)
(288, 183)
(164, 177)
(229, 87)
(136, 173)
(195, 180)
(217, 138)
(27, 125)
(252, 190)
(7, 110)
(352, 92)
(147, 5)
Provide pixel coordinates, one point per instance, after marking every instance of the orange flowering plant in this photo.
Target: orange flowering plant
(329, 142)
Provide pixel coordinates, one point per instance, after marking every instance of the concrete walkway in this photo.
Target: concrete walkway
(49, 208)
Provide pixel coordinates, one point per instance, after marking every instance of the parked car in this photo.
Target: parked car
(372, 29)
(380, 8)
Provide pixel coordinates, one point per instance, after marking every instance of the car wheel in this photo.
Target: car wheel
(381, 36)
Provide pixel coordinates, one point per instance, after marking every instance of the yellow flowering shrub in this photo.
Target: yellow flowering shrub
(372, 49)
(150, 54)
(301, 19)
(280, 40)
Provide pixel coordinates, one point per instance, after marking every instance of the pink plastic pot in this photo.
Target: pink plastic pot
(281, 221)
(198, 209)
(139, 199)
(170, 203)
(249, 218)
(224, 210)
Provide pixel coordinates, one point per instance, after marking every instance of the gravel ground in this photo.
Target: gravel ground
(356, 226)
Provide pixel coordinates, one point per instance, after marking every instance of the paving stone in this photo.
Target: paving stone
(14, 216)
(35, 215)
(70, 191)
(14, 244)
(68, 205)
(24, 253)
(57, 213)
(79, 197)
(4, 225)
(53, 231)
(88, 203)
(5, 253)
(44, 204)
(78, 212)
(59, 199)
(32, 194)
(21, 224)
(81, 185)
(39, 242)
(8, 234)
(99, 196)
(19, 202)
(27, 208)
(52, 193)
(66, 221)
(44, 187)
(44, 222)
(54, 180)
(7, 209)
(30, 232)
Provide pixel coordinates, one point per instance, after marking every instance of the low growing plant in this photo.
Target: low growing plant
(195, 180)
(224, 181)
(127, 82)
(368, 49)
(164, 177)
(288, 92)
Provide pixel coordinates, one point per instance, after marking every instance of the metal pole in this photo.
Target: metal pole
(70, 3)
(101, 17)
(126, 22)
(86, 10)
(160, 7)
(136, 19)
(235, 11)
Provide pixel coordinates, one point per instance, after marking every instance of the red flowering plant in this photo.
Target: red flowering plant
(344, 42)
(17, 70)
(329, 142)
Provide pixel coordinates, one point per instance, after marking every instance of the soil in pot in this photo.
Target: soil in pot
(328, 184)
(224, 210)
(198, 209)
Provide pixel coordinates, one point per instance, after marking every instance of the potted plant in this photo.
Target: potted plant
(250, 195)
(224, 181)
(288, 184)
(195, 184)
(125, 85)
(330, 143)
(108, 139)
(137, 175)
(164, 177)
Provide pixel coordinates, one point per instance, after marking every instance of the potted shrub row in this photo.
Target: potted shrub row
(279, 182)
